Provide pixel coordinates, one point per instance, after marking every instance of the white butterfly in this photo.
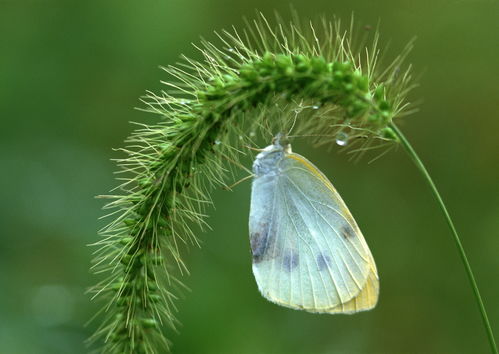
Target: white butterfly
(308, 252)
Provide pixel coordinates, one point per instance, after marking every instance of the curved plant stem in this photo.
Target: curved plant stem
(415, 158)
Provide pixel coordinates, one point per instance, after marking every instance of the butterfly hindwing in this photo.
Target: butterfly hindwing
(308, 252)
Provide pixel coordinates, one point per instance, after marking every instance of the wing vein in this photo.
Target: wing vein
(310, 249)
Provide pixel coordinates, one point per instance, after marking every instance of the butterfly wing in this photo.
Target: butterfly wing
(308, 252)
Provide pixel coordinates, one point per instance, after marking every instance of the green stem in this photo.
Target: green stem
(415, 158)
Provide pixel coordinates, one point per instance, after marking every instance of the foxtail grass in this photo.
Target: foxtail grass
(320, 78)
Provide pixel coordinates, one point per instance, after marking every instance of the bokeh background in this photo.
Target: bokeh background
(71, 74)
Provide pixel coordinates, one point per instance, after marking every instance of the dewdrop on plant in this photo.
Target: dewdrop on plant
(342, 139)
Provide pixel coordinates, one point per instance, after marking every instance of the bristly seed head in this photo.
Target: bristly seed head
(311, 80)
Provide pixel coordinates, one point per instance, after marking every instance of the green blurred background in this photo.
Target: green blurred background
(71, 74)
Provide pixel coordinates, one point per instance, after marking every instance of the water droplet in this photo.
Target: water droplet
(217, 142)
(316, 106)
(252, 134)
(230, 50)
(183, 102)
(342, 139)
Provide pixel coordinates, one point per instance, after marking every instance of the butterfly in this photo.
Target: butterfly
(307, 250)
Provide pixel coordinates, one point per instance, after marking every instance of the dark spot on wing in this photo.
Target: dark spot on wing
(259, 241)
(290, 261)
(347, 231)
(323, 261)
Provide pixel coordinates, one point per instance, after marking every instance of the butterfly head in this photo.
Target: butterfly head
(266, 162)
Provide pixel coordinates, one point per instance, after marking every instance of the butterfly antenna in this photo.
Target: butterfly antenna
(229, 188)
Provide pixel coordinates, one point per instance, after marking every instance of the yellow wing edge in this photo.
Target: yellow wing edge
(365, 300)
